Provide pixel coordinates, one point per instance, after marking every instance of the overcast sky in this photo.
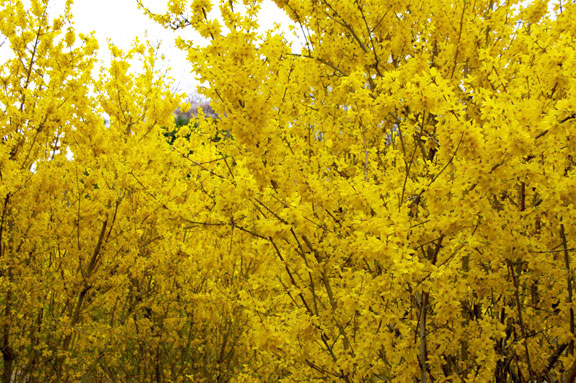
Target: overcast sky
(122, 21)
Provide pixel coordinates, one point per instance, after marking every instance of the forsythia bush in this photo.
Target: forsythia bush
(392, 202)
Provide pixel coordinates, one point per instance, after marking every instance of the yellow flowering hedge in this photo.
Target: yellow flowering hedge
(392, 200)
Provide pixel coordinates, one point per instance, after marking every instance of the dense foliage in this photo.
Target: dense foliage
(394, 202)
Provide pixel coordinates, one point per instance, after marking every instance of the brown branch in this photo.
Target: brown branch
(570, 374)
(2, 223)
(516, 281)
(96, 254)
(272, 212)
(346, 25)
(292, 280)
(552, 251)
(570, 117)
(423, 300)
(321, 60)
(569, 280)
(555, 356)
(370, 31)
(459, 37)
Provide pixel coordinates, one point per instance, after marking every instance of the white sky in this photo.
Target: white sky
(122, 21)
